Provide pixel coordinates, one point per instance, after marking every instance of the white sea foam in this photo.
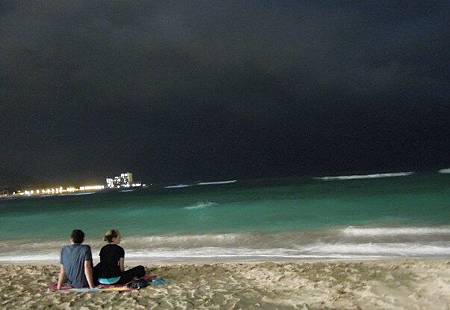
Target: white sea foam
(182, 241)
(316, 250)
(394, 231)
(201, 205)
(178, 186)
(183, 255)
(447, 170)
(382, 249)
(29, 258)
(190, 254)
(311, 251)
(217, 182)
(233, 253)
(365, 176)
(348, 243)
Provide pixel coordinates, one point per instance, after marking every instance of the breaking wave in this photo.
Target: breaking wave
(201, 205)
(406, 249)
(178, 186)
(365, 176)
(339, 243)
(217, 182)
(395, 231)
(311, 251)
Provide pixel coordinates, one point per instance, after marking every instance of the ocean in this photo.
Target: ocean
(371, 216)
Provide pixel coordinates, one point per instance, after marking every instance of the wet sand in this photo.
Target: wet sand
(414, 284)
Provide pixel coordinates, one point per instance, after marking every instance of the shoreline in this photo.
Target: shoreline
(256, 260)
(385, 284)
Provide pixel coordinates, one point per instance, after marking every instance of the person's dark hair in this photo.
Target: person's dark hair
(77, 236)
(110, 235)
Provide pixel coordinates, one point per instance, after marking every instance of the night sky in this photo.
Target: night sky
(210, 90)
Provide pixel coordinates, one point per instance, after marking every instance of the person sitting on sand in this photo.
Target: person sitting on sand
(110, 269)
(76, 263)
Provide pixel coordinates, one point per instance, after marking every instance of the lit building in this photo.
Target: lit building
(109, 182)
(127, 177)
(124, 180)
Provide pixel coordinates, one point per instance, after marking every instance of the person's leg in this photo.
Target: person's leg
(130, 274)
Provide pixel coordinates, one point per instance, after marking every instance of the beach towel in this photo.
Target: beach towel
(102, 288)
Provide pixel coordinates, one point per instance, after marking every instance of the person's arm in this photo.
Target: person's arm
(121, 259)
(61, 278)
(88, 273)
(122, 264)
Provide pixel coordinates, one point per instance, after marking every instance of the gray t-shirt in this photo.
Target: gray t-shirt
(72, 258)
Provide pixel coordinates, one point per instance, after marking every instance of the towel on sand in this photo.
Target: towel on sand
(105, 288)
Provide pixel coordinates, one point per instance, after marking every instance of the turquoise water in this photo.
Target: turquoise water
(288, 217)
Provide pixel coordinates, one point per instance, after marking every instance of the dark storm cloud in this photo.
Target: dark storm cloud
(221, 88)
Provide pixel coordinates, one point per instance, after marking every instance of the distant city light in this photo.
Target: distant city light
(125, 180)
(58, 190)
(92, 187)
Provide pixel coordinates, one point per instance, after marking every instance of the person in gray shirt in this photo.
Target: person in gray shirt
(76, 263)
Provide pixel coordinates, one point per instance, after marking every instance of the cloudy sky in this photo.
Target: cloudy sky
(196, 90)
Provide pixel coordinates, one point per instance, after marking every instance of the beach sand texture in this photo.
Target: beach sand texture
(301, 285)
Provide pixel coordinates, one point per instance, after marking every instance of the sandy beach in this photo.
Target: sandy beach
(413, 284)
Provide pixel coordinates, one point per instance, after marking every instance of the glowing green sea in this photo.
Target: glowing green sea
(297, 217)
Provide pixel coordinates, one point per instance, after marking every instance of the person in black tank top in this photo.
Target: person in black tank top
(110, 269)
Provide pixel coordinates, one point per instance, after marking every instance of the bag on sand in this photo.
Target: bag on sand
(138, 284)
